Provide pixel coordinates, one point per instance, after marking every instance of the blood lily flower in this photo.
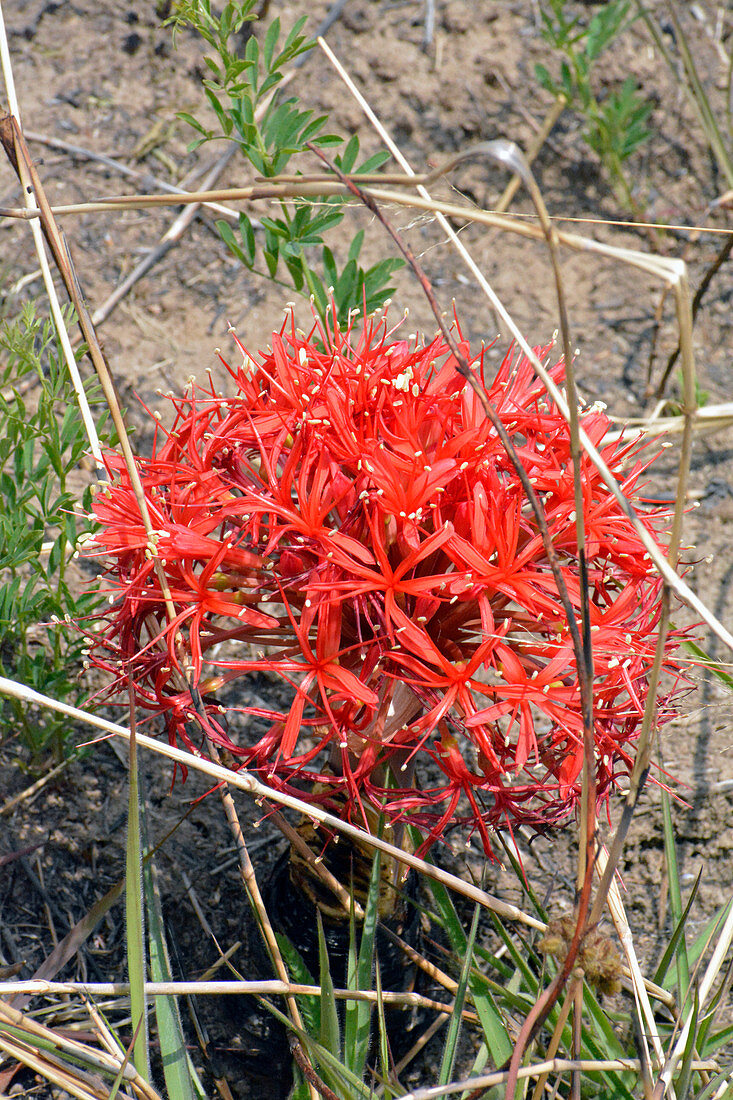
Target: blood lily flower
(347, 521)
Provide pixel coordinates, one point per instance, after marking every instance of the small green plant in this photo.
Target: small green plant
(41, 442)
(270, 130)
(615, 127)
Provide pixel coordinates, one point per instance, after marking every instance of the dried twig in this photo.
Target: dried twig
(230, 987)
(30, 792)
(245, 781)
(147, 179)
(705, 282)
(169, 239)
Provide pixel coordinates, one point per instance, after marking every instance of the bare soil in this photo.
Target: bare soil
(104, 76)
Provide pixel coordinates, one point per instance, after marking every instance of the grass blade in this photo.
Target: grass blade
(703, 940)
(383, 1037)
(709, 663)
(682, 1083)
(358, 1014)
(711, 1042)
(700, 99)
(675, 898)
(330, 1029)
(454, 1026)
(495, 1032)
(177, 1068)
(134, 921)
(347, 1085)
(671, 949)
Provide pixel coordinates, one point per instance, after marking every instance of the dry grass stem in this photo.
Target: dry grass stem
(555, 1065)
(11, 136)
(144, 177)
(260, 791)
(168, 241)
(230, 987)
(647, 1023)
(26, 170)
(704, 989)
(30, 792)
(76, 1080)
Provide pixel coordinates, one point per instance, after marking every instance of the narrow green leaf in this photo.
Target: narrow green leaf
(248, 239)
(335, 1072)
(708, 1040)
(713, 1086)
(383, 1036)
(702, 942)
(176, 1067)
(661, 972)
(709, 663)
(675, 896)
(454, 1025)
(495, 1031)
(682, 1083)
(715, 1041)
(134, 918)
(271, 37)
(347, 160)
(185, 117)
(330, 1030)
(373, 162)
(227, 235)
(355, 246)
(358, 1013)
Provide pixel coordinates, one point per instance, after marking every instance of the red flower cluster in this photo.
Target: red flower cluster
(349, 521)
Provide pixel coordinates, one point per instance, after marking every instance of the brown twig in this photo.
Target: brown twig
(169, 239)
(308, 1072)
(705, 282)
(532, 150)
(147, 179)
(29, 792)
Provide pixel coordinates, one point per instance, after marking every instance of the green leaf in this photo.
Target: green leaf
(373, 162)
(383, 1034)
(354, 247)
(544, 79)
(358, 1013)
(134, 919)
(227, 235)
(191, 121)
(248, 239)
(330, 1031)
(675, 897)
(495, 1032)
(177, 1067)
(677, 935)
(329, 266)
(454, 1025)
(566, 79)
(682, 1083)
(713, 1043)
(224, 120)
(271, 37)
(347, 160)
(714, 1086)
(709, 663)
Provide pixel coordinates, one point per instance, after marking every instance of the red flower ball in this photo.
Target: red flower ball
(349, 521)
